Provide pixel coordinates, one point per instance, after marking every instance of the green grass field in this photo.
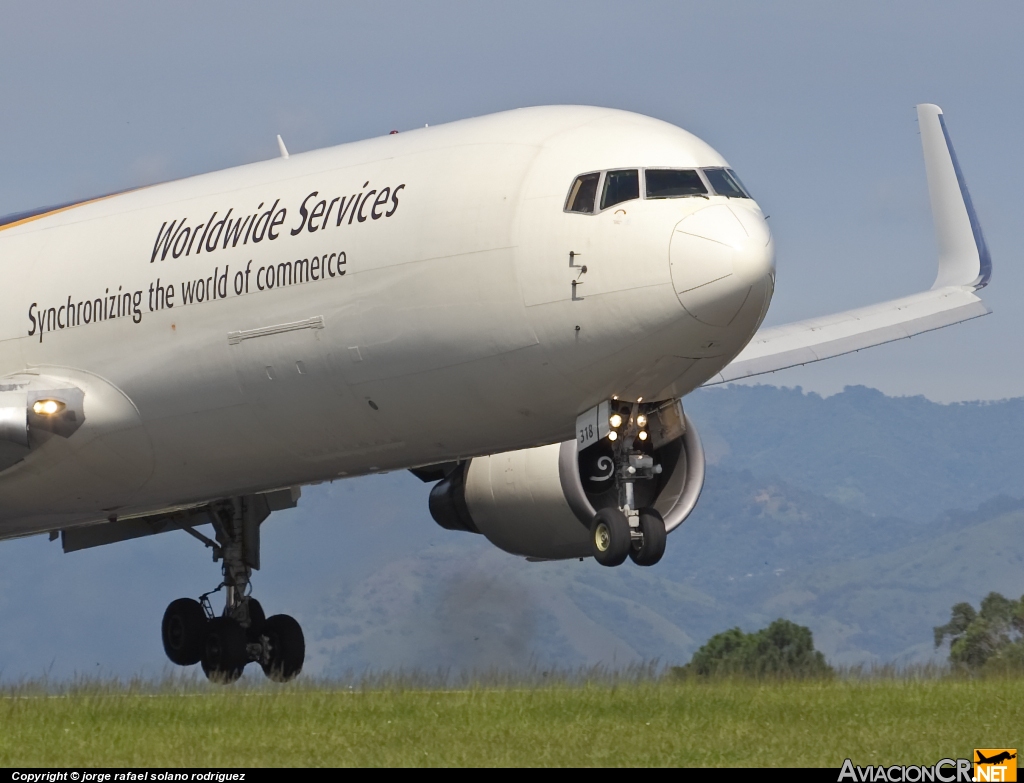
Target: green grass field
(652, 722)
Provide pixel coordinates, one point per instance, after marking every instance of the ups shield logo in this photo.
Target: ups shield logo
(995, 764)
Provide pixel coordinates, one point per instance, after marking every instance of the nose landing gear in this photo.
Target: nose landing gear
(628, 531)
(224, 644)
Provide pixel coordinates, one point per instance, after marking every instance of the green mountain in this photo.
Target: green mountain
(871, 589)
(891, 456)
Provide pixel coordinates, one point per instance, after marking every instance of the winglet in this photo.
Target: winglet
(964, 259)
(964, 267)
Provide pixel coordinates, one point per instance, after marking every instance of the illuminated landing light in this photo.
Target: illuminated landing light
(47, 407)
(642, 435)
(639, 399)
(613, 435)
(615, 420)
(641, 420)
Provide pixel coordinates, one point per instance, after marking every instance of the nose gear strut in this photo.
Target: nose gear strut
(638, 533)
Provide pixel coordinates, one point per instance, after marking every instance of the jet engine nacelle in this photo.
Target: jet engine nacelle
(539, 502)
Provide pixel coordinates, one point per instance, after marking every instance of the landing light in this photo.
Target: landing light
(613, 435)
(641, 420)
(642, 435)
(47, 407)
(615, 420)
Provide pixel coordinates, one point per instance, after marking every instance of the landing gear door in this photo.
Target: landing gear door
(592, 425)
(667, 423)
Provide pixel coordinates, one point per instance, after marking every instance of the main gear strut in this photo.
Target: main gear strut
(193, 633)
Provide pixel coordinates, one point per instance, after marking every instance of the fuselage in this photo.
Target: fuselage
(401, 301)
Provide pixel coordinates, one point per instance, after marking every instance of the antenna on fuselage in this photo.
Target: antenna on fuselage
(280, 146)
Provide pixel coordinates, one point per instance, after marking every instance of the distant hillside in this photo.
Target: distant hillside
(889, 456)
(840, 514)
(870, 588)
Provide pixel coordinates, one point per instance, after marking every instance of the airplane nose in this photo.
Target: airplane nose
(717, 255)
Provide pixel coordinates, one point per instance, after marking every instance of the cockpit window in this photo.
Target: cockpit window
(673, 183)
(620, 186)
(583, 194)
(726, 183)
(624, 185)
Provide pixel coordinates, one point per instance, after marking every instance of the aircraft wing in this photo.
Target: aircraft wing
(964, 268)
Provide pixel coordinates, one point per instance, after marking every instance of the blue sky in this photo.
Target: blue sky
(811, 102)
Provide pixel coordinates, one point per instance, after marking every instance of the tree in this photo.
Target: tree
(783, 649)
(989, 639)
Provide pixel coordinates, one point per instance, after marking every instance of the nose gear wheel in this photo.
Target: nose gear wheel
(610, 537)
(650, 546)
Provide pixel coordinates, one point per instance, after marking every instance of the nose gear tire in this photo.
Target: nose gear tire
(287, 648)
(649, 549)
(183, 631)
(610, 537)
(224, 654)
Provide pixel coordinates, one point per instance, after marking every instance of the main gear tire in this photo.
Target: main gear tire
(225, 653)
(610, 539)
(257, 619)
(183, 631)
(287, 648)
(649, 549)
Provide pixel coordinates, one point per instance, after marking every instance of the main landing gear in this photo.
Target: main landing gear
(627, 531)
(192, 633)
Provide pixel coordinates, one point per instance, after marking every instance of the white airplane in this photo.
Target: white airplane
(510, 306)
